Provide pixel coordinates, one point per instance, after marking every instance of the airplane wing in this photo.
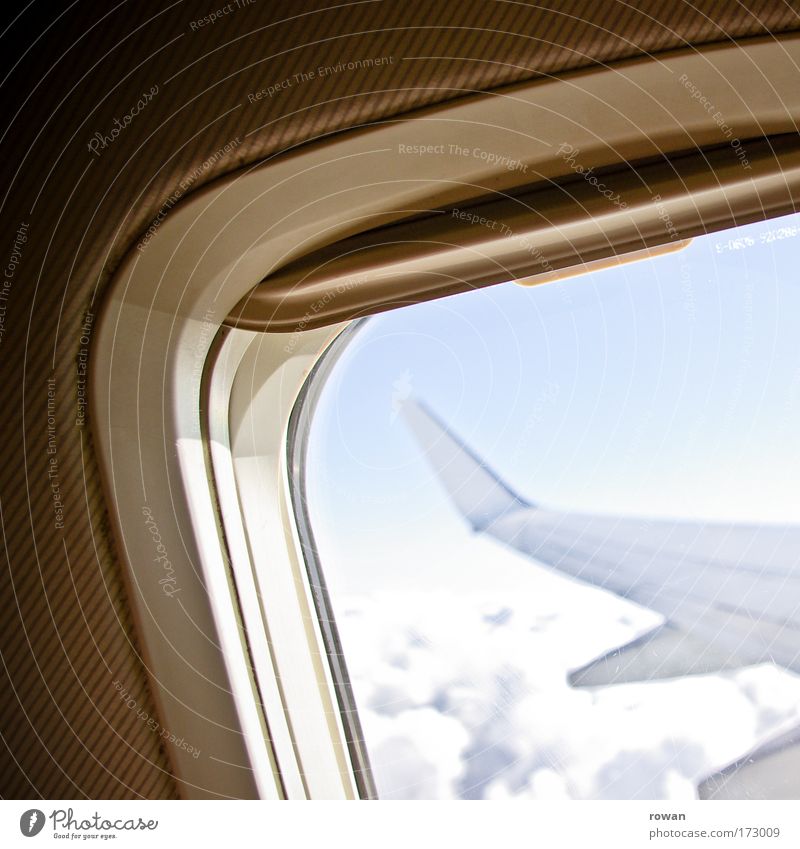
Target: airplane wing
(729, 593)
(767, 772)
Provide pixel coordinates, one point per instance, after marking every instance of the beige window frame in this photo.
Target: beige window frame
(237, 658)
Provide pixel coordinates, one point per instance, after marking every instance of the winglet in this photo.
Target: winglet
(479, 494)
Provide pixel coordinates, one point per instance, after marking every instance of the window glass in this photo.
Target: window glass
(559, 526)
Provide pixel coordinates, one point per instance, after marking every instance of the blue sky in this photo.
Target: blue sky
(667, 387)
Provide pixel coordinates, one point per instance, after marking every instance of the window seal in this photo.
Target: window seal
(297, 448)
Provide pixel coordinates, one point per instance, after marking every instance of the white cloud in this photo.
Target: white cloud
(465, 695)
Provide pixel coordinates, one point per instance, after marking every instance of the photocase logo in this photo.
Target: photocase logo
(31, 822)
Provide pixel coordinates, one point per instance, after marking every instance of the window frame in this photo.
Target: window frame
(170, 445)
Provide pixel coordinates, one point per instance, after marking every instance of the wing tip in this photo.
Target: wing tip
(479, 493)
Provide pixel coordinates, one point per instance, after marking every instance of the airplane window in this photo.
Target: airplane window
(560, 530)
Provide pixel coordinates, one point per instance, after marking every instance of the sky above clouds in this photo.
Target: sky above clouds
(669, 387)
